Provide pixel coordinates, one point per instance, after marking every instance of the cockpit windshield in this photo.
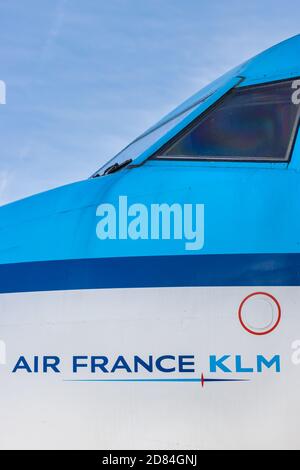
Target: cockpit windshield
(255, 123)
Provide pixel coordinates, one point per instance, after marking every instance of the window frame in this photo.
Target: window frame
(214, 159)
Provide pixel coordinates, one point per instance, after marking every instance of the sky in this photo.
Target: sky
(85, 77)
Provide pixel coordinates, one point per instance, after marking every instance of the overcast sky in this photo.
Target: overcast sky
(84, 77)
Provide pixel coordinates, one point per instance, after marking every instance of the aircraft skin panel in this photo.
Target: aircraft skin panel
(197, 322)
(52, 226)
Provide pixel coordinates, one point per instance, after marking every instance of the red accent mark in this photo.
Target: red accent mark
(202, 380)
(241, 314)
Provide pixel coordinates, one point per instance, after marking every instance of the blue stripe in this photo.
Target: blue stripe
(157, 271)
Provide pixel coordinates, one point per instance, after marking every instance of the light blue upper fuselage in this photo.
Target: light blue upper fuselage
(249, 207)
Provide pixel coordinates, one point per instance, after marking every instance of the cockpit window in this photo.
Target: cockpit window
(254, 123)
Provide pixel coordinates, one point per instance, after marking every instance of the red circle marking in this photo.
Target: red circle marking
(255, 332)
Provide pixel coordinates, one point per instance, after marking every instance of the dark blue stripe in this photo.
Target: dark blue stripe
(152, 271)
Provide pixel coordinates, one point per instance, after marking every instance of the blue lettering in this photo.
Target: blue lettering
(76, 363)
(121, 364)
(184, 362)
(99, 362)
(262, 361)
(51, 362)
(22, 364)
(146, 365)
(219, 364)
(240, 369)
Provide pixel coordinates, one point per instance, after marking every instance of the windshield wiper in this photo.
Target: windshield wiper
(114, 168)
